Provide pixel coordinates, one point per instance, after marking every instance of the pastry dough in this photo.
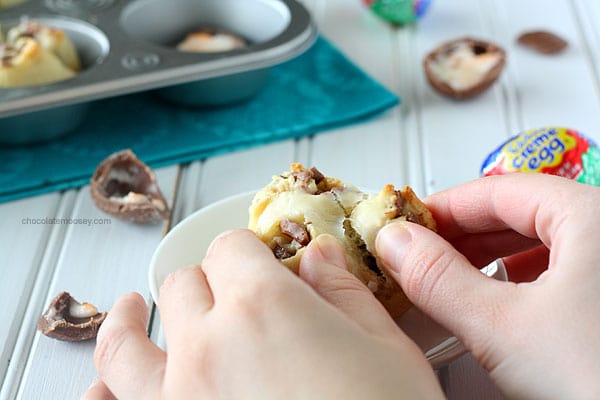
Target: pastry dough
(36, 54)
(52, 39)
(301, 204)
(27, 63)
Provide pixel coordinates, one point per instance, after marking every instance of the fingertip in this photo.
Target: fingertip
(123, 352)
(227, 237)
(172, 280)
(129, 309)
(324, 249)
(391, 244)
(184, 295)
(98, 391)
(323, 267)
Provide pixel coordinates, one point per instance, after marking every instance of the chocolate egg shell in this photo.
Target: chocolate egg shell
(67, 319)
(125, 187)
(464, 68)
(543, 42)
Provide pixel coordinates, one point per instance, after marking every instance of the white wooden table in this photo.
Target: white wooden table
(428, 142)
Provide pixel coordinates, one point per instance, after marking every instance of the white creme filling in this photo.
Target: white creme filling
(319, 213)
(462, 69)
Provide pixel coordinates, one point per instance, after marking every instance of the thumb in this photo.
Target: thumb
(441, 282)
(323, 267)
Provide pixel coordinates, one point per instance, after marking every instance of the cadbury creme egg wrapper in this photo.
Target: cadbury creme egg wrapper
(464, 67)
(550, 150)
(125, 187)
(67, 319)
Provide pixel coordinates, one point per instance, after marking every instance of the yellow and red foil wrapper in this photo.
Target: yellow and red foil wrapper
(549, 150)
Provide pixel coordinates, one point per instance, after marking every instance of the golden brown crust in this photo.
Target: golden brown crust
(423, 214)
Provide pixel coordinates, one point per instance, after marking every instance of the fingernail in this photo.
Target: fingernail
(330, 251)
(391, 244)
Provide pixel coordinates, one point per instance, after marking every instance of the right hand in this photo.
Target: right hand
(538, 340)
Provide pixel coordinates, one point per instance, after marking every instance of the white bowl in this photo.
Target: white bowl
(187, 244)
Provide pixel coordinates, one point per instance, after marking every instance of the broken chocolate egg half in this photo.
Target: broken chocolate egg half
(67, 319)
(464, 67)
(125, 187)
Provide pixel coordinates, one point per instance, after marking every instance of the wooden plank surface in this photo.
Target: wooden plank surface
(23, 239)
(369, 154)
(96, 264)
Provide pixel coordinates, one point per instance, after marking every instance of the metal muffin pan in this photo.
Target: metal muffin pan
(129, 46)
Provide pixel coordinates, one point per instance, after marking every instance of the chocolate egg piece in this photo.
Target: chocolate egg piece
(464, 68)
(125, 187)
(69, 320)
(542, 41)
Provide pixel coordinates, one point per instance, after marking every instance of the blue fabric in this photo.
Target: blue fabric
(319, 90)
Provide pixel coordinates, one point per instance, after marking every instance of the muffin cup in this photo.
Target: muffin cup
(129, 47)
(45, 124)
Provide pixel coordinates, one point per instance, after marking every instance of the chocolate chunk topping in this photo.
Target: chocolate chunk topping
(317, 175)
(67, 319)
(295, 230)
(7, 52)
(281, 253)
(543, 42)
(399, 203)
(303, 176)
(306, 175)
(402, 210)
(411, 217)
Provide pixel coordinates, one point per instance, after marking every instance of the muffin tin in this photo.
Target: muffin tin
(129, 46)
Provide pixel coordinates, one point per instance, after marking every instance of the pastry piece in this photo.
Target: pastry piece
(542, 41)
(125, 187)
(301, 204)
(52, 39)
(67, 319)
(464, 67)
(26, 63)
(211, 41)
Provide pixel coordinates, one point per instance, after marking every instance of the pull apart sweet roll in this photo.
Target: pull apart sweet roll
(35, 54)
(26, 63)
(52, 39)
(301, 204)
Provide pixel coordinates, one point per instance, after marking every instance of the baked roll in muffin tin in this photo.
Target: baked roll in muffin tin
(130, 46)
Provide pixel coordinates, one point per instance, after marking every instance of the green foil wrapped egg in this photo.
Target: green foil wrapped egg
(399, 12)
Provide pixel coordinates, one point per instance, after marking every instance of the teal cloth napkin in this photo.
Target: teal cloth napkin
(318, 90)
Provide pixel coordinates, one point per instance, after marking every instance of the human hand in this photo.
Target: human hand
(538, 340)
(243, 327)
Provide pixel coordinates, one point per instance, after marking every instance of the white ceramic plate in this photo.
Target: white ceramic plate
(187, 243)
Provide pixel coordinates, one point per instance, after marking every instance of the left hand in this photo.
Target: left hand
(242, 326)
